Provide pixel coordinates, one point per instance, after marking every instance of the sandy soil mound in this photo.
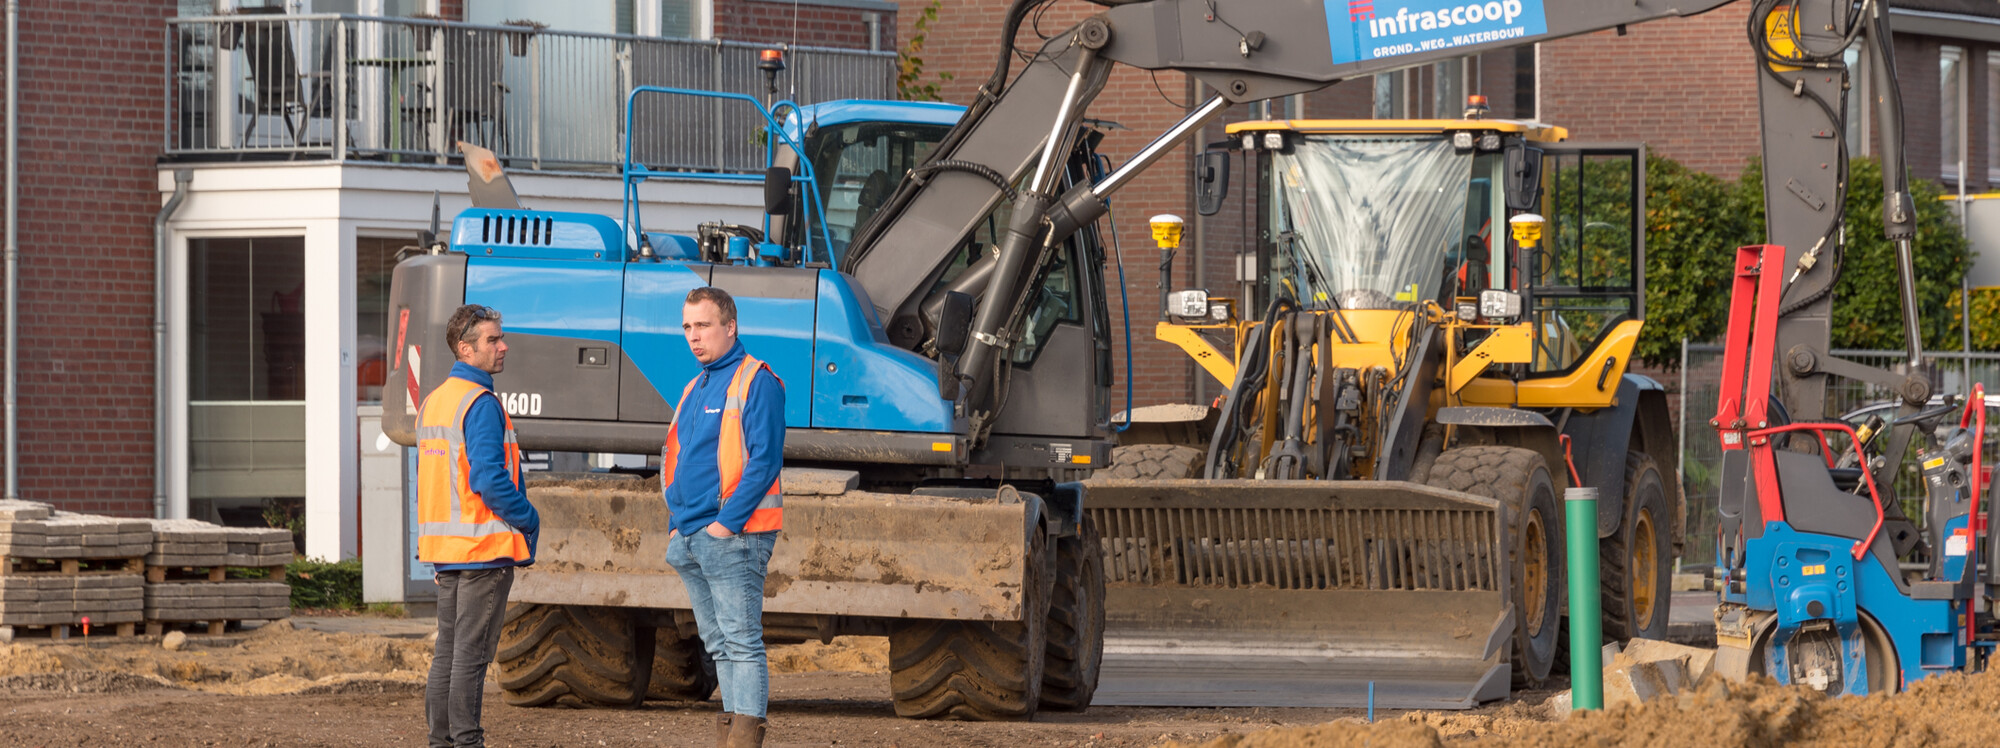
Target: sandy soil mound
(85, 682)
(1945, 710)
(281, 659)
(271, 660)
(847, 654)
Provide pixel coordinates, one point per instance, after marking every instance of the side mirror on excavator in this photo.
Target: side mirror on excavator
(954, 324)
(1211, 182)
(778, 190)
(1524, 177)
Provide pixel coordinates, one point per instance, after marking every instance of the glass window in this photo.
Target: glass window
(1950, 118)
(1993, 117)
(246, 375)
(1449, 99)
(1525, 60)
(857, 167)
(1390, 99)
(1058, 300)
(246, 312)
(374, 331)
(680, 19)
(1584, 273)
(1366, 222)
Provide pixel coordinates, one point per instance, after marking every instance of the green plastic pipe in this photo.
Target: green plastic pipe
(1586, 640)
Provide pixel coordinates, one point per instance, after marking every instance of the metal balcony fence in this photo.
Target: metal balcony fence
(342, 87)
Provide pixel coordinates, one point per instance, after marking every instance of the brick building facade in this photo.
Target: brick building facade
(91, 127)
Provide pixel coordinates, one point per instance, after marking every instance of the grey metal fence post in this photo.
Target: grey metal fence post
(339, 73)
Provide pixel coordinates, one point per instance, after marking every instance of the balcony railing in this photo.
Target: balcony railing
(343, 87)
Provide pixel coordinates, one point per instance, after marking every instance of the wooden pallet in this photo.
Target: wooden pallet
(212, 628)
(159, 574)
(73, 566)
(62, 632)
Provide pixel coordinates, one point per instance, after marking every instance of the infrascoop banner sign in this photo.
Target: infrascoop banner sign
(1373, 29)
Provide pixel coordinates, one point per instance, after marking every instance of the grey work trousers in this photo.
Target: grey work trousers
(471, 605)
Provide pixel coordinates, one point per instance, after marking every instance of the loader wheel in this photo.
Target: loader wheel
(572, 655)
(1520, 478)
(1154, 462)
(1076, 623)
(682, 670)
(975, 670)
(1637, 577)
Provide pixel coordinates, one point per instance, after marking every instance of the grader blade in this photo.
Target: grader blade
(1301, 593)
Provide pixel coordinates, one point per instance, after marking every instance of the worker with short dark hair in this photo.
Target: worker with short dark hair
(719, 472)
(474, 522)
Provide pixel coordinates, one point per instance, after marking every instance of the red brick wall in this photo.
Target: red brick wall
(90, 131)
(1685, 87)
(816, 25)
(452, 10)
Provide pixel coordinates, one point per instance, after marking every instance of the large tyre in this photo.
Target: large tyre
(1154, 462)
(1636, 577)
(1520, 479)
(682, 670)
(572, 655)
(975, 670)
(1076, 623)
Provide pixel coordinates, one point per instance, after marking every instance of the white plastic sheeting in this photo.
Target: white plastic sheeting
(1373, 218)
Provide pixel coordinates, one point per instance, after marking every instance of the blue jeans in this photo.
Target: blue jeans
(725, 583)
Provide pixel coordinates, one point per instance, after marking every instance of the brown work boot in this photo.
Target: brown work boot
(722, 723)
(745, 732)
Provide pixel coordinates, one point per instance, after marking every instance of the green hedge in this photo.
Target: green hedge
(1695, 222)
(324, 584)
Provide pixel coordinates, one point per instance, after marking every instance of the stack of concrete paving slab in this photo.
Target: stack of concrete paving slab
(188, 542)
(218, 601)
(70, 535)
(53, 599)
(62, 567)
(180, 544)
(258, 546)
(32, 530)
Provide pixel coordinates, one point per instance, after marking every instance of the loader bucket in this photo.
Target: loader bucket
(1301, 593)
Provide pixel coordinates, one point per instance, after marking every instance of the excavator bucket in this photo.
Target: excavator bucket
(1301, 593)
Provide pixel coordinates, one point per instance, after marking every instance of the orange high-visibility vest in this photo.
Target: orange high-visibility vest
(454, 525)
(730, 453)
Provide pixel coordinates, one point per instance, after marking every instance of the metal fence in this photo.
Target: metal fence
(346, 87)
(1701, 450)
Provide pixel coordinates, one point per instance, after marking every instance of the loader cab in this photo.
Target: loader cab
(1392, 214)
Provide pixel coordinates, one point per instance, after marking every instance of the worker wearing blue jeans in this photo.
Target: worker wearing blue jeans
(719, 474)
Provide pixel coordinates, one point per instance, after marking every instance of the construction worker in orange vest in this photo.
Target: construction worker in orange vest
(719, 471)
(474, 522)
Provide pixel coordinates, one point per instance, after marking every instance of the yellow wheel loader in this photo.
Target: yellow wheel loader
(1429, 344)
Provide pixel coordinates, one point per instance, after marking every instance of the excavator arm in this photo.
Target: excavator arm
(1010, 142)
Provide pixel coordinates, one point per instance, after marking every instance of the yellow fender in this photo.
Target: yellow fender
(1591, 383)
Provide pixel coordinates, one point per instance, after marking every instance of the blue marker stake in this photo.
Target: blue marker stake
(1371, 701)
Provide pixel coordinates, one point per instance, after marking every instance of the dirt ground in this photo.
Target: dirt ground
(283, 686)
